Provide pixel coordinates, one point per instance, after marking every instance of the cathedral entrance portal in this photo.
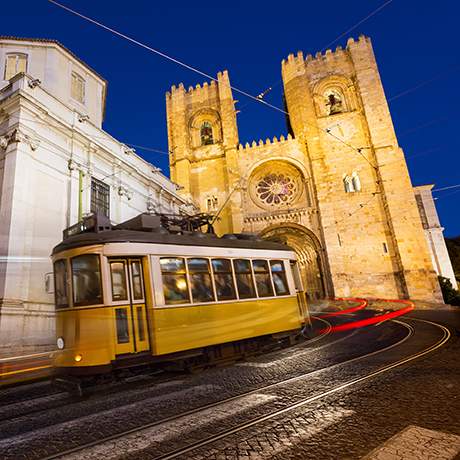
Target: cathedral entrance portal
(307, 248)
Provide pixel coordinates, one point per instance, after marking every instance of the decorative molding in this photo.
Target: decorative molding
(17, 136)
(294, 215)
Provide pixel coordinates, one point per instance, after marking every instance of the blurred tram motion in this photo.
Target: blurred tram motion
(143, 293)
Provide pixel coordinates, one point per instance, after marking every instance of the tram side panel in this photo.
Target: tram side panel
(194, 326)
(179, 328)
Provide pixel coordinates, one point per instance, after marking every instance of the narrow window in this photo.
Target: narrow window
(140, 323)
(279, 277)
(223, 279)
(206, 133)
(200, 280)
(263, 281)
(175, 287)
(100, 197)
(118, 277)
(86, 280)
(60, 284)
(14, 64)
(385, 248)
(348, 184)
(356, 182)
(136, 274)
(77, 90)
(296, 276)
(244, 279)
(121, 315)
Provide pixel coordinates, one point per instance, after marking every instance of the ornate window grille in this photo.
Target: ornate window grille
(100, 197)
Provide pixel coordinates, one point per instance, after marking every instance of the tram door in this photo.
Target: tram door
(128, 300)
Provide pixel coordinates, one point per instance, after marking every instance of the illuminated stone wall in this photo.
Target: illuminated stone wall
(339, 178)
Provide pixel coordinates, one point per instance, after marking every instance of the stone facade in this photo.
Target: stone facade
(433, 233)
(336, 188)
(52, 149)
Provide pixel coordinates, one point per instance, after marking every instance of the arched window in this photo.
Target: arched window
(356, 182)
(348, 184)
(206, 133)
(334, 102)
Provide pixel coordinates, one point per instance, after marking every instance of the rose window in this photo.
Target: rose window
(276, 189)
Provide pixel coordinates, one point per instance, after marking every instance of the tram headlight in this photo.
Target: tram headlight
(78, 358)
(60, 343)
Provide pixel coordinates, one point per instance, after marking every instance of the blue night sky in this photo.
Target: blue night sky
(415, 42)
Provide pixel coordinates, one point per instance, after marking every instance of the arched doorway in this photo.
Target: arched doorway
(307, 249)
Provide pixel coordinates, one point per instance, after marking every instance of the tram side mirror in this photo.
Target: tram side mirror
(49, 283)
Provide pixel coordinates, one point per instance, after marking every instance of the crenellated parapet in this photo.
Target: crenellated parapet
(339, 60)
(256, 147)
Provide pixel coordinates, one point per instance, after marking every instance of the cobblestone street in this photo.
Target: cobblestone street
(335, 397)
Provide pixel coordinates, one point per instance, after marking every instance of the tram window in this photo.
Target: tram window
(200, 280)
(140, 323)
(175, 287)
(86, 280)
(122, 325)
(60, 283)
(263, 281)
(244, 279)
(118, 275)
(136, 272)
(223, 279)
(279, 277)
(296, 276)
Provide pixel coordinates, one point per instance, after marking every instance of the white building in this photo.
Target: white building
(433, 233)
(56, 165)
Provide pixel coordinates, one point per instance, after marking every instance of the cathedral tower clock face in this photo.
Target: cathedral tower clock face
(276, 184)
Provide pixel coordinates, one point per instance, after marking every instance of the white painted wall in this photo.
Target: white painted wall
(434, 233)
(43, 147)
(53, 65)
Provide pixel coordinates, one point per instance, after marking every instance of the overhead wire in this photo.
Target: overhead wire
(194, 69)
(447, 71)
(252, 97)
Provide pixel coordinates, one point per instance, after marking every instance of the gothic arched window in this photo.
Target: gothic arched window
(356, 182)
(352, 183)
(206, 133)
(348, 184)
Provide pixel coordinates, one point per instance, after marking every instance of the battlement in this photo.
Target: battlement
(200, 92)
(253, 146)
(328, 55)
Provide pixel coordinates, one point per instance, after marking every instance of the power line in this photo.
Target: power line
(425, 82)
(194, 69)
(277, 82)
(446, 188)
(142, 147)
(357, 24)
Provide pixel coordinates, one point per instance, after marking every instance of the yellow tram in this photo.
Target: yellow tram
(137, 294)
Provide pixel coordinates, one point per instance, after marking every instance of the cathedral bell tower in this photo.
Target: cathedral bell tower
(203, 138)
(339, 112)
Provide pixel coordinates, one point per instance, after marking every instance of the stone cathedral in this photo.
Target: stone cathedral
(336, 188)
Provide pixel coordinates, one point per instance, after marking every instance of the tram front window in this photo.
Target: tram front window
(200, 280)
(60, 283)
(175, 287)
(86, 280)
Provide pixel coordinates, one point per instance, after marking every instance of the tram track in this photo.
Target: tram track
(306, 401)
(410, 332)
(52, 398)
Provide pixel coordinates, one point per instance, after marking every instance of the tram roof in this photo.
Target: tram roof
(193, 239)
